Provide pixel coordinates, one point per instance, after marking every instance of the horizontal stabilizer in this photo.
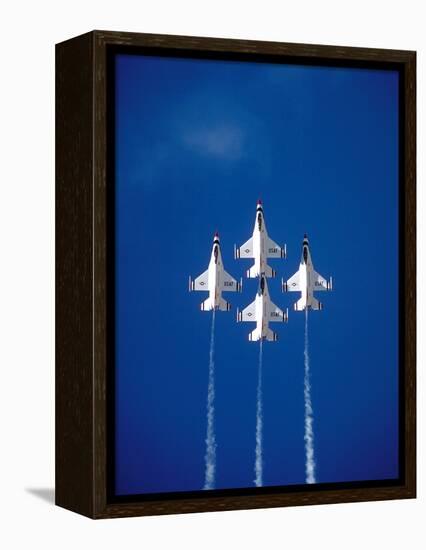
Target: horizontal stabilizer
(208, 305)
(224, 305)
(300, 304)
(313, 304)
(256, 335)
(253, 272)
(271, 336)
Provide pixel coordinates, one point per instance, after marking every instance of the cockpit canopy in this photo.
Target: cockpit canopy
(262, 285)
(305, 254)
(216, 253)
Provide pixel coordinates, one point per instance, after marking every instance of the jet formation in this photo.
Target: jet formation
(260, 247)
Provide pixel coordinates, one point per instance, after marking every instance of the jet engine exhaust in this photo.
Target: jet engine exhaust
(258, 467)
(210, 456)
(309, 413)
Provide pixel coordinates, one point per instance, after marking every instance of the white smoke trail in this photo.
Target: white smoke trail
(258, 467)
(210, 456)
(309, 413)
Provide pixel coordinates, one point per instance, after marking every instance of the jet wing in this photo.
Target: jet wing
(229, 283)
(273, 250)
(248, 314)
(201, 282)
(276, 314)
(245, 250)
(293, 284)
(319, 283)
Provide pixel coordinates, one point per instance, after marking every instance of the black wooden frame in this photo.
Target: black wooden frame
(84, 333)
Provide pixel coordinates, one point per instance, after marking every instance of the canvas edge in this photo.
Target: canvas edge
(98, 507)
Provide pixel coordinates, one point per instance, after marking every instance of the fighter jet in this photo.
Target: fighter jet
(215, 280)
(306, 281)
(260, 247)
(263, 312)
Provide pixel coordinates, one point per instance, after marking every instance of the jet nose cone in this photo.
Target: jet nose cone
(216, 235)
(305, 236)
(259, 202)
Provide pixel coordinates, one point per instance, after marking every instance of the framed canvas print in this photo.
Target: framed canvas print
(235, 281)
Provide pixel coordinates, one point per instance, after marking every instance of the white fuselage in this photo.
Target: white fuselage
(262, 308)
(306, 287)
(215, 277)
(262, 323)
(260, 240)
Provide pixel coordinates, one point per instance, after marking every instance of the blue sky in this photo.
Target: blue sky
(197, 143)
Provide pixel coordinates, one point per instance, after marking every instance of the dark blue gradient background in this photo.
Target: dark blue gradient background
(197, 142)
